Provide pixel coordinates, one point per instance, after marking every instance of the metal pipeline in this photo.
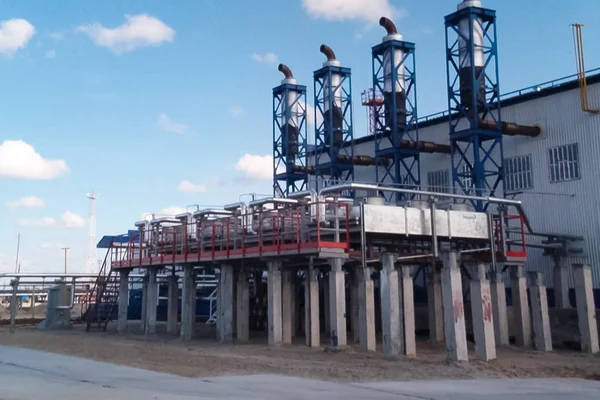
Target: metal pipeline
(328, 52)
(494, 200)
(287, 72)
(512, 129)
(389, 26)
(426, 147)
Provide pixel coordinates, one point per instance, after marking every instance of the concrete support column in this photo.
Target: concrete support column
(274, 303)
(243, 307)
(151, 302)
(483, 320)
(311, 307)
(123, 300)
(390, 308)
(173, 305)
(366, 310)
(434, 304)
(407, 311)
(188, 303)
(295, 304)
(337, 304)
(542, 339)
(287, 305)
(225, 299)
(522, 319)
(454, 311)
(561, 283)
(499, 309)
(586, 310)
(326, 316)
(354, 304)
(144, 300)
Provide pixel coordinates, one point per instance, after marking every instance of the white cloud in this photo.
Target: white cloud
(189, 187)
(20, 160)
(72, 220)
(51, 246)
(237, 111)
(46, 222)
(26, 202)
(339, 10)
(14, 35)
(51, 54)
(140, 30)
(310, 118)
(255, 166)
(266, 58)
(169, 125)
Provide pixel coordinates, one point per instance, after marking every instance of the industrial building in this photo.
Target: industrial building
(459, 203)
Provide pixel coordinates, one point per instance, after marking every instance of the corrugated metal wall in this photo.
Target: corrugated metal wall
(568, 207)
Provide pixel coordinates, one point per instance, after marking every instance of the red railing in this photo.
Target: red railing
(261, 233)
(510, 228)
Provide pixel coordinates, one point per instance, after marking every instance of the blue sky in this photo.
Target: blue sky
(155, 104)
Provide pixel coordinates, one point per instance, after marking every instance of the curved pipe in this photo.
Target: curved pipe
(389, 26)
(328, 52)
(287, 72)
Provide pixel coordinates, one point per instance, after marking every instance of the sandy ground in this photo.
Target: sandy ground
(208, 358)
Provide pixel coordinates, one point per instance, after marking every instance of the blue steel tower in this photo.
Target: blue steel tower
(334, 149)
(290, 173)
(474, 102)
(396, 131)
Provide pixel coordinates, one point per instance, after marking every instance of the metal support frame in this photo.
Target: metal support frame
(290, 173)
(395, 122)
(473, 96)
(334, 148)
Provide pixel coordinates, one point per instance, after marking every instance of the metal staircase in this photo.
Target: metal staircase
(103, 302)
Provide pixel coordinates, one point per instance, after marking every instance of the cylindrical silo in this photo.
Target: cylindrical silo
(393, 87)
(289, 115)
(465, 71)
(332, 98)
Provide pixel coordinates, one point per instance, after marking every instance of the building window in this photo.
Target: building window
(564, 163)
(439, 181)
(517, 173)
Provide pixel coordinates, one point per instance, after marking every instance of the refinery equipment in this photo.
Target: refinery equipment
(290, 172)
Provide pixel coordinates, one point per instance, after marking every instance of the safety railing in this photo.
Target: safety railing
(510, 236)
(257, 233)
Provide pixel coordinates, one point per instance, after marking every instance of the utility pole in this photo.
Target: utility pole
(66, 249)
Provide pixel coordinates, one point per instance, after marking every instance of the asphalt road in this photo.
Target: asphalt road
(29, 374)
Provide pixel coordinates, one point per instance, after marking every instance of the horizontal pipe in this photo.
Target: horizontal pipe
(512, 129)
(426, 147)
(272, 200)
(211, 211)
(360, 186)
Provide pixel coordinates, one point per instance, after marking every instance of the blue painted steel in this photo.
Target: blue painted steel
(477, 151)
(290, 173)
(397, 164)
(334, 147)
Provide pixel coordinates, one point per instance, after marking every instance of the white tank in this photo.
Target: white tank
(291, 104)
(463, 28)
(398, 55)
(332, 88)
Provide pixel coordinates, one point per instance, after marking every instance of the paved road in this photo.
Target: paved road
(28, 374)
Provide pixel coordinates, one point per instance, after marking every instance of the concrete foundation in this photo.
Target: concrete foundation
(434, 304)
(337, 304)
(327, 314)
(500, 317)
(483, 321)
(287, 306)
(311, 308)
(586, 312)
(354, 307)
(454, 312)
(188, 303)
(521, 316)
(173, 305)
(542, 339)
(390, 308)
(407, 311)
(151, 302)
(226, 299)
(144, 303)
(123, 300)
(561, 283)
(242, 304)
(366, 311)
(274, 301)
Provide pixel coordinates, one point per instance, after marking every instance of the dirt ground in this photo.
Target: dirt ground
(205, 358)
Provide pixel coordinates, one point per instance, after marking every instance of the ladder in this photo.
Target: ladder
(103, 301)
